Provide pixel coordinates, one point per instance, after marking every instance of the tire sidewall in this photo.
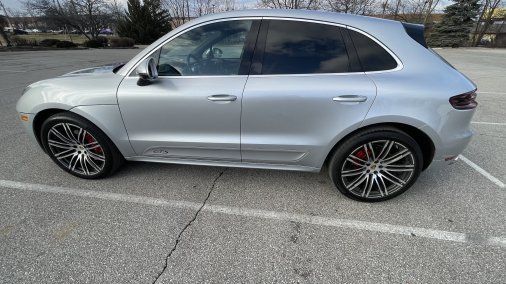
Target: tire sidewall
(356, 141)
(84, 124)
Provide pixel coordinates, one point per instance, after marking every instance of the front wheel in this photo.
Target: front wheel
(376, 164)
(79, 147)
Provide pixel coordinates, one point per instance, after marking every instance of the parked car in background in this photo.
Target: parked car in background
(32, 30)
(106, 32)
(19, 32)
(276, 89)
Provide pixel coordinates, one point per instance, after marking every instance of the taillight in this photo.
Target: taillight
(464, 101)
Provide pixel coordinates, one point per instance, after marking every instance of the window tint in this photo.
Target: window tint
(214, 49)
(294, 47)
(372, 56)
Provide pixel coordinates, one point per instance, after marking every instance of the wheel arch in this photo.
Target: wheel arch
(423, 140)
(39, 119)
(120, 142)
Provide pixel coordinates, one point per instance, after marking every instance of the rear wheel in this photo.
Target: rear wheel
(79, 147)
(376, 164)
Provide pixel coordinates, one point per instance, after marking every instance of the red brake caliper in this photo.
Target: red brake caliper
(360, 154)
(89, 139)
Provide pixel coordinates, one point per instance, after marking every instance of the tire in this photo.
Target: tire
(376, 164)
(79, 147)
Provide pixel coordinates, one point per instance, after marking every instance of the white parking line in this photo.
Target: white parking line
(495, 241)
(256, 213)
(491, 123)
(12, 71)
(494, 93)
(483, 172)
(340, 223)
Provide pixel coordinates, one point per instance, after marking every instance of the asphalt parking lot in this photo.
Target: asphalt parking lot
(177, 223)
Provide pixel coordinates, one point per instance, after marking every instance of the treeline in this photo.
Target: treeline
(464, 22)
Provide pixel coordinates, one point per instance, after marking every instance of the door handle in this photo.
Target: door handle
(350, 99)
(222, 98)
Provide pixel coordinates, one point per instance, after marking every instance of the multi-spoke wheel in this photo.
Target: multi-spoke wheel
(376, 164)
(78, 146)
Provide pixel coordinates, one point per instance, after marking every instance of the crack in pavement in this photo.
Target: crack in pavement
(178, 239)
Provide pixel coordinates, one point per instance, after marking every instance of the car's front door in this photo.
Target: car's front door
(192, 111)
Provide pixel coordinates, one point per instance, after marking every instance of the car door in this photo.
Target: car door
(305, 89)
(192, 111)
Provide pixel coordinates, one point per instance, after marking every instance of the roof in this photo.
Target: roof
(334, 17)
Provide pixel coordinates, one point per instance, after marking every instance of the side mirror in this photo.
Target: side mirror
(147, 72)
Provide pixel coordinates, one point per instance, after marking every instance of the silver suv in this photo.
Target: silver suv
(276, 89)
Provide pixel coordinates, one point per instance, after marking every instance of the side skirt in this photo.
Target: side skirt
(223, 164)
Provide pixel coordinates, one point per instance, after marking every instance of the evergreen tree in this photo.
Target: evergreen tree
(455, 27)
(144, 22)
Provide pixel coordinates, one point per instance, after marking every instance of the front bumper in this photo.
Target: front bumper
(27, 125)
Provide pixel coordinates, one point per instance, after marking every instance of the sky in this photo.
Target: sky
(11, 4)
(16, 4)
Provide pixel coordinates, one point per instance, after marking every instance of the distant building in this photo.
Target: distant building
(24, 23)
(495, 35)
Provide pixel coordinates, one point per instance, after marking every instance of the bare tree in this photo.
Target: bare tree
(19, 18)
(428, 9)
(183, 11)
(228, 5)
(179, 10)
(419, 11)
(116, 9)
(485, 19)
(291, 4)
(361, 7)
(86, 16)
(204, 7)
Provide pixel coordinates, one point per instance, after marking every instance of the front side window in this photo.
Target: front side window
(297, 47)
(213, 49)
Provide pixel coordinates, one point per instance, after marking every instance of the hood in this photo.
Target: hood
(109, 68)
(93, 86)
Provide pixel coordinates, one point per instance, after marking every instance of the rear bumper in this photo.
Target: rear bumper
(454, 146)
(451, 143)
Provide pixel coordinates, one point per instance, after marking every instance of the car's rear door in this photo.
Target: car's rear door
(304, 90)
(192, 111)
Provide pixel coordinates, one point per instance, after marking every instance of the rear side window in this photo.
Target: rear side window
(372, 56)
(294, 47)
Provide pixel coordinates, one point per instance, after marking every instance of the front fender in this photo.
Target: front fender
(70, 91)
(108, 119)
